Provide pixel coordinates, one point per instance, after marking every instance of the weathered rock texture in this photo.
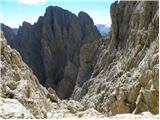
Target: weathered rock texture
(22, 96)
(12, 109)
(115, 75)
(51, 47)
(18, 82)
(122, 77)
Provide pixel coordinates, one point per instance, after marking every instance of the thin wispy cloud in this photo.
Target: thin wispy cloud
(32, 2)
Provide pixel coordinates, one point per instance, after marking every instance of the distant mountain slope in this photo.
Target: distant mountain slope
(15, 30)
(103, 29)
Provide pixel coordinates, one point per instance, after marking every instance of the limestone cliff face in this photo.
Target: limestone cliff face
(27, 42)
(22, 96)
(123, 78)
(18, 82)
(115, 75)
(51, 47)
(63, 35)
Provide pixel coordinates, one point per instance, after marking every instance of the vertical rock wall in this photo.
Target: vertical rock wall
(124, 77)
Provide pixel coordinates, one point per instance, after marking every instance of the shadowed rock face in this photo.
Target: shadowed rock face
(51, 47)
(9, 34)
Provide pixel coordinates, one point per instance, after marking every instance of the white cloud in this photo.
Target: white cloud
(32, 2)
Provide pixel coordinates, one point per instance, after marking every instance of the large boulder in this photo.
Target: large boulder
(13, 109)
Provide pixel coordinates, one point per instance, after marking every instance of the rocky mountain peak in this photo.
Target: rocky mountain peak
(26, 24)
(54, 45)
(85, 18)
(53, 9)
(114, 75)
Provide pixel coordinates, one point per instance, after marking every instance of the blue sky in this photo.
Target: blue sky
(14, 12)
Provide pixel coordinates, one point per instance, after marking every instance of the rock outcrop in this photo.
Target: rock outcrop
(114, 75)
(19, 82)
(9, 34)
(13, 109)
(122, 76)
(51, 47)
(22, 96)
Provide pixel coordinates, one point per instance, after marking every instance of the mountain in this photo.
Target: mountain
(103, 29)
(15, 30)
(9, 34)
(51, 47)
(119, 74)
(113, 75)
(23, 97)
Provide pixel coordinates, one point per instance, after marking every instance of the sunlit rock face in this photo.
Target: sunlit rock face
(20, 88)
(123, 76)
